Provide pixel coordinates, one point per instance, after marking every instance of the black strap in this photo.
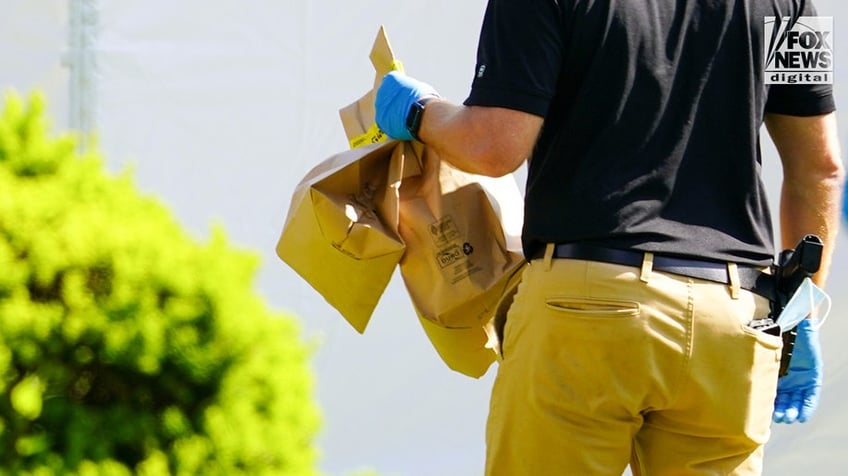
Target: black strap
(751, 278)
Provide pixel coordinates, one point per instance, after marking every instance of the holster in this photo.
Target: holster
(792, 267)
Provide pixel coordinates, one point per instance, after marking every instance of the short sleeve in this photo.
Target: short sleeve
(519, 56)
(801, 99)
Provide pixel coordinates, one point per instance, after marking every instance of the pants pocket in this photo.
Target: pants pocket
(592, 308)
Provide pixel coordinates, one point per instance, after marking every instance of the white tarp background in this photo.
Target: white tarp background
(221, 107)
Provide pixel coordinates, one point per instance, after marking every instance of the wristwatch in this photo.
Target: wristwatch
(414, 116)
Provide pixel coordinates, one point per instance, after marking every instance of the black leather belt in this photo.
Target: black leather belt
(751, 278)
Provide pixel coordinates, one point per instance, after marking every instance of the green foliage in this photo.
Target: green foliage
(126, 347)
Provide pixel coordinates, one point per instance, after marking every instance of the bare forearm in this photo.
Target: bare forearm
(813, 175)
(481, 140)
(812, 208)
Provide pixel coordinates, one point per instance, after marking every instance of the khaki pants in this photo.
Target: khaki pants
(606, 365)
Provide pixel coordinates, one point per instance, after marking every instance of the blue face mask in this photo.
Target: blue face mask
(806, 301)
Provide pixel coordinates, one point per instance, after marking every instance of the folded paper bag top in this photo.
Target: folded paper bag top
(334, 237)
(358, 117)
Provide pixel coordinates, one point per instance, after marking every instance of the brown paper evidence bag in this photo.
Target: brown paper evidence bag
(359, 214)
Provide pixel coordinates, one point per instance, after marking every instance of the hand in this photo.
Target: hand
(799, 390)
(397, 93)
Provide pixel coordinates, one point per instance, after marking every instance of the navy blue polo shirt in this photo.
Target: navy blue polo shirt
(652, 117)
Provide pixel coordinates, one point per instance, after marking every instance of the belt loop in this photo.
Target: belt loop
(549, 255)
(647, 267)
(733, 277)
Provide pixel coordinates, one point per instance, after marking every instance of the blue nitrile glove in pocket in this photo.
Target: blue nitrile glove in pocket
(798, 391)
(396, 95)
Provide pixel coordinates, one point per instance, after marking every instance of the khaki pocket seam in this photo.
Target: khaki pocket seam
(593, 307)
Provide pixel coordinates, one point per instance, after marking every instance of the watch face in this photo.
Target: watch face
(413, 118)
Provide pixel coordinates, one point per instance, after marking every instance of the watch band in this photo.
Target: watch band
(415, 115)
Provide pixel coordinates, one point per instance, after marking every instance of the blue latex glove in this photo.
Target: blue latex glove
(799, 390)
(397, 93)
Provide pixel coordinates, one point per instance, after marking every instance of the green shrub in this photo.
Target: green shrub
(126, 346)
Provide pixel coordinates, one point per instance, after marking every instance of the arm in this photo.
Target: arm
(813, 175)
(483, 140)
(520, 49)
(809, 203)
(489, 141)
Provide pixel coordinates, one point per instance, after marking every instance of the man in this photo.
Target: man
(646, 227)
